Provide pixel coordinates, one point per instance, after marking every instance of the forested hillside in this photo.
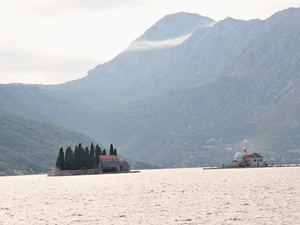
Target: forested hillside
(28, 144)
(31, 144)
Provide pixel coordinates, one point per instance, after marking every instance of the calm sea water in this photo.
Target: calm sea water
(171, 196)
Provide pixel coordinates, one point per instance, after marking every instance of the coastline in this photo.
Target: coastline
(257, 167)
(55, 173)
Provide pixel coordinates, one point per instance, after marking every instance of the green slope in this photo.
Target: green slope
(208, 124)
(33, 144)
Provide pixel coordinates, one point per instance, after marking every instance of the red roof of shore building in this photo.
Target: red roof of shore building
(252, 155)
(108, 157)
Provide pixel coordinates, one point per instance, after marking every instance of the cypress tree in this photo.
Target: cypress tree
(69, 159)
(92, 156)
(80, 156)
(86, 151)
(60, 161)
(104, 152)
(111, 149)
(76, 158)
(85, 158)
(92, 146)
(98, 151)
(115, 152)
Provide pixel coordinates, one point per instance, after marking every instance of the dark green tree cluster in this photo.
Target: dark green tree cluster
(112, 151)
(81, 158)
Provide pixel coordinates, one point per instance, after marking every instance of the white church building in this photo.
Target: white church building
(245, 160)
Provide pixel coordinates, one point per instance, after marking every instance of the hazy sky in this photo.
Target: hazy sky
(54, 41)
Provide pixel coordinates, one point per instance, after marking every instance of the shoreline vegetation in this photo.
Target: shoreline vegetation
(81, 158)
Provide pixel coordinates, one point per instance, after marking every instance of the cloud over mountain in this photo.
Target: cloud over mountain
(140, 44)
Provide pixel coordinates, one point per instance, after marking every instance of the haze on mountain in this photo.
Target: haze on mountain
(189, 92)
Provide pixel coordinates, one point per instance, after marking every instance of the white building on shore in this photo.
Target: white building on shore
(245, 160)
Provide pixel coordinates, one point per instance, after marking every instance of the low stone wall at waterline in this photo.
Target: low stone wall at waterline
(74, 172)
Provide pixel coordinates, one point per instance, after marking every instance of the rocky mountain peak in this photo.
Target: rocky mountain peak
(176, 25)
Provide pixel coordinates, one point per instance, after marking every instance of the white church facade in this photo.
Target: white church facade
(245, 160)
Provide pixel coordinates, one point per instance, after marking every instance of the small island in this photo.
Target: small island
(243, 160)
(85, 161)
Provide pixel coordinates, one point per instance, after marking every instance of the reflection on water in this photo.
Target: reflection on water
(171, 196)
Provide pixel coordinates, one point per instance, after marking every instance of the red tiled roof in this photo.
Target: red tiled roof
(254, 155)
(121, 162)
(108, 157)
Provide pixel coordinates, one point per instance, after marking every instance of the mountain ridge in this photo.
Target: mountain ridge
(179, 24)
(227, 85)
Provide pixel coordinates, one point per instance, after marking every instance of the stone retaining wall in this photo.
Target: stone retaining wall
(74, 172)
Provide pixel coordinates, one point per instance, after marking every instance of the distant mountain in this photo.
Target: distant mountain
(46, 106)
(170, 31)
(130, 69)
(202, 92)
(27, 142)
(176, 25)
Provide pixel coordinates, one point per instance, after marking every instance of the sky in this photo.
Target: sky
(55, 41)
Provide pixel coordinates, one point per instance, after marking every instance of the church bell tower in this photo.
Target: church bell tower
(245, 151)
